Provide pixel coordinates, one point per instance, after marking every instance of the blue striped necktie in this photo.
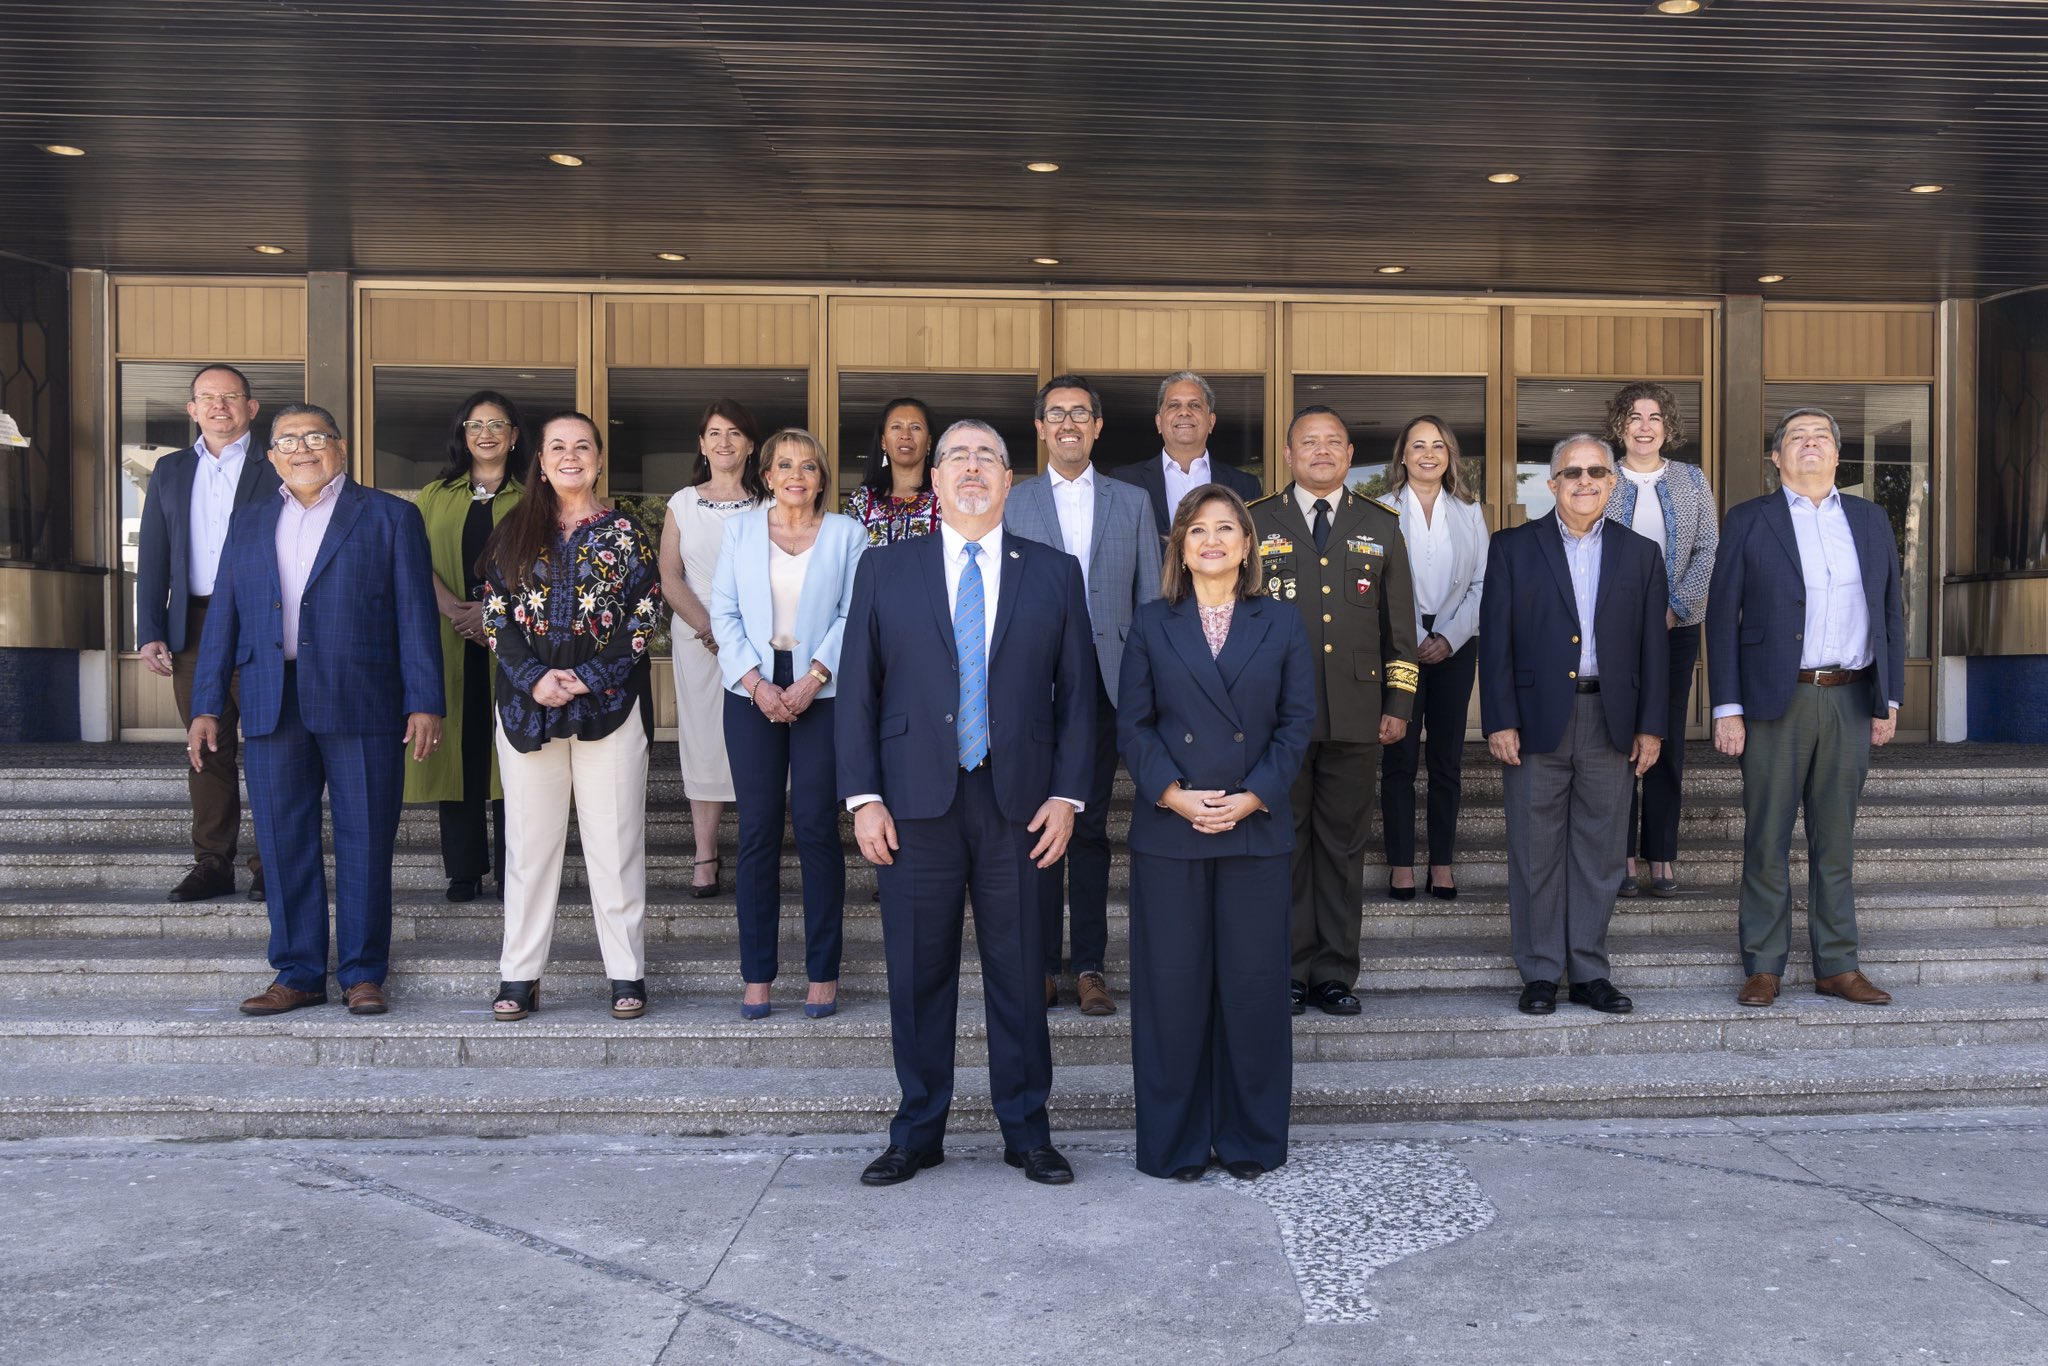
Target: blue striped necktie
(970, 644)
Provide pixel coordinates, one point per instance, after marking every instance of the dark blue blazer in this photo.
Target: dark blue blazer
(1148, 475)
(369, 649)
(899, 681)
(1756, 606)
(1240, 722)
(163, 552)
(1529, 636)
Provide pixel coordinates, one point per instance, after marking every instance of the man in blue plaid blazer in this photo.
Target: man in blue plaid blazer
(325, 605)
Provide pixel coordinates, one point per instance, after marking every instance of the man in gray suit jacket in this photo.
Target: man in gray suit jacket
(1109, 527)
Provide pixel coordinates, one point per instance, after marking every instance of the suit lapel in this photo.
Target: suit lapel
(932, 552)
(1869, 554)
(1550, 544)
(1346, 517)
(1155, 485)
(1184, 629)
(263, 545)
(1287, 517)
(1247, 629)
(254, 464)
(181, 467)
(1096, 537)
(349, 502)
(1610, 546)
(1016, 554)
(1778, 517)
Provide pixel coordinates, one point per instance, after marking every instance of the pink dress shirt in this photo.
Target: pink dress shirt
(300, 529)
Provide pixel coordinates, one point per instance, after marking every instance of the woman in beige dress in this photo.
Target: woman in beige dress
(727, 482)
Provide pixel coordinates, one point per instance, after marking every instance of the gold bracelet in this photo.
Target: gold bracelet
(820, 674)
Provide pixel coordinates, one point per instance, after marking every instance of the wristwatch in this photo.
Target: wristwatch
(818, 672)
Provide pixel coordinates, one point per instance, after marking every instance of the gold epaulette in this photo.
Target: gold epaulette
(1403, 675)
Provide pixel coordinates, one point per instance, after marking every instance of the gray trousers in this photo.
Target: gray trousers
(1814, 757)
(1567, 841)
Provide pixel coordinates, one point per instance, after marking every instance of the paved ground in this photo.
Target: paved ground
(1904, 1238)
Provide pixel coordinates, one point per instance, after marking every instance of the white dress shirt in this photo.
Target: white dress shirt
(300, 529)
(1074, 501)
(213, 503)
(1582, 557)
(1431, 557)
(1179, 484)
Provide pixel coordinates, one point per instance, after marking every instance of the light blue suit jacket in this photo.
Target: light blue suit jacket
(743, 612)
(1123, 557)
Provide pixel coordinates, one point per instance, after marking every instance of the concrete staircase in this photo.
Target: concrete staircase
(117, 1008)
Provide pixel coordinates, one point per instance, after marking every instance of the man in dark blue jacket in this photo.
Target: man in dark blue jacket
(1806, 662)
(1573, 655)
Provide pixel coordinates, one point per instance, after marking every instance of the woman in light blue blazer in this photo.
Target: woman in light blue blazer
(778, 611)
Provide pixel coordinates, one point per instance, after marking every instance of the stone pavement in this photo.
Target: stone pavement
(1868, 1239)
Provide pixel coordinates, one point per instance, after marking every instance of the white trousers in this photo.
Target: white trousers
(608, 779)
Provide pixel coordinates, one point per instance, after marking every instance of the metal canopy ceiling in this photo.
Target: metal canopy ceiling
(1203, 145)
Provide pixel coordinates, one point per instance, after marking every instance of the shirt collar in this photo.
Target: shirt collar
(1832, 498)
(991, 544)
(329, 491)
(1592, 533)
(1084, 480)
(1166, 461)
(233, 451)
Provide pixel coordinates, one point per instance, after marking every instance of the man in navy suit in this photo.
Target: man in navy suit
(185, 512)
(1806, 662)
(1106, 525)
(965, 743)
(1573, 657)
(325, 603)
(1185, 417)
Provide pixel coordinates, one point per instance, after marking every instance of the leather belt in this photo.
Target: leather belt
(1588, 685)
(1833, 678)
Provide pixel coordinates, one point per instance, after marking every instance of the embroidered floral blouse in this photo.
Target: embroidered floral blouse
(592, 605)
(890, 519)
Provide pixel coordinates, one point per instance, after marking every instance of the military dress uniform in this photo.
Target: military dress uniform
(1354, 597)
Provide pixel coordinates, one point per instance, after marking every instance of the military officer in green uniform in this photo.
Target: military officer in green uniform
(1339, 558)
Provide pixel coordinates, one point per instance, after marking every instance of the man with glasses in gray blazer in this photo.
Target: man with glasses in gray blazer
(1107, 526)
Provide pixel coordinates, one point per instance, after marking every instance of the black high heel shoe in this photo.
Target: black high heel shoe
(705, 893)
(1399, 893)
(1449, 893)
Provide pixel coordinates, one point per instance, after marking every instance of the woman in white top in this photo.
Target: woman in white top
(727, 481)
(1668, 502)
(778, 610)
(1445, 532)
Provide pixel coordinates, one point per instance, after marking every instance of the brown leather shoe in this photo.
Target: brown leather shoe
(1052, 991)
(366, 998)
(1760, 990)
(277, 998)
(1851, 986)
(1094, 993)
(206, 881)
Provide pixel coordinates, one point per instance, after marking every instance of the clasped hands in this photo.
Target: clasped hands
(468, 620)
(1211, 810)
(557, 686)
(784, 705)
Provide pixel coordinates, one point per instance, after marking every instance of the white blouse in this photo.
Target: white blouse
(1649, 514)
(1431, 557)
(785, 587)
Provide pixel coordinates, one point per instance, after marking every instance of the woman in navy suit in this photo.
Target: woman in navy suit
(1214, 713)
(778, 612)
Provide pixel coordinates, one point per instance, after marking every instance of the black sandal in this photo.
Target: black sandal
(523, 997)
(704, 893)
(629, 991)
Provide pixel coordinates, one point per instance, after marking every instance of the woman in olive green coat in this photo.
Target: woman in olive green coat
(487, 459)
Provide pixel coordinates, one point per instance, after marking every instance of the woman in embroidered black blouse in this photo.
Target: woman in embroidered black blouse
(572, 596)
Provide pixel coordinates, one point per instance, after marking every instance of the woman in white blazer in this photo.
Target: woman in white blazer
(778, 612)
(1445, 532)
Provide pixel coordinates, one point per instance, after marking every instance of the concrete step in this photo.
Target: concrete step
(216, 970)
(185, 1100)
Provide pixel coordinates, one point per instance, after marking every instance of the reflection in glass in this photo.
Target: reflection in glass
(1129, 403)
(153, 424)
(1887, 447)
(1002, 401)
(1376, 408)
(1547, 411)
(412, 405)
(2012, 434)
(652, 445)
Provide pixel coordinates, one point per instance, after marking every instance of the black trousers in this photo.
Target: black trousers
(467, 851)
(1654, 799)
(1084, 873)
(1443, 699)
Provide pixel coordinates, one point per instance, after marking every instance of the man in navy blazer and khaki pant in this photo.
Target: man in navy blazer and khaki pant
(966, 728)
(185, 512)
(1573, 659)
(1806, 657)
(1107, 526)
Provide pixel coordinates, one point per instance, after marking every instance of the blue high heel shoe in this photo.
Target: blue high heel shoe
(759, 1012)
(818, 1010)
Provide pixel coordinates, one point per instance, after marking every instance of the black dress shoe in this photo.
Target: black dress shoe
(256, 885)
(1601, 995)
(898, 1164)
(1297, 992)
(1190, 1174)
(464, 888)
(205, 882)
(1042, 1164)
(1244, 1170)
(1334, 998)
(1538, 998)
(1629, 887)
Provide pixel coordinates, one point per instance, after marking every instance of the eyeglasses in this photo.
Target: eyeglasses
(218, 398)
(1573, 473)
(976, 456)
(1055, 416)
(311, 441)
(496, 426)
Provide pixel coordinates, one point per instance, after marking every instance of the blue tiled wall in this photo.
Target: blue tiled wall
(38, 696)
(2009, 699)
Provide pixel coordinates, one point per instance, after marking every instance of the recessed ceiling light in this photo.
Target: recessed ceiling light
(564, 159)
(1503, 177)
(1928, 188)
(1679, 6)
(267, 249)
(670, 256)
(1042, 167)
(1045, 260)
(1770, 279)
(61, 149)
(1392, 270)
